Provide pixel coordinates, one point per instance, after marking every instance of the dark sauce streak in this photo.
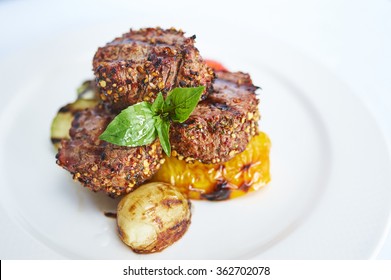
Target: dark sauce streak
(222, 192)
(245, 187)
(246, 166)
(110, 214)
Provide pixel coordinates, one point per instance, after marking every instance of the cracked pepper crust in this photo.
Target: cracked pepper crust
(101, 166)
(136, 66)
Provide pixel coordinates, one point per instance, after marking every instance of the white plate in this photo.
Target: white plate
(329, 196)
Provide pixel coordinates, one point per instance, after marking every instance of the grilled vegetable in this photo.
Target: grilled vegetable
(247, 171)
(152, 217)
(87, 90)
(62, 121)
(215, 65)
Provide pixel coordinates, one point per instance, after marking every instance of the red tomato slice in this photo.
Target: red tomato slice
(217, 66)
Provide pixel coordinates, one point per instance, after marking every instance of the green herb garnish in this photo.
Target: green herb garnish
(141, 123)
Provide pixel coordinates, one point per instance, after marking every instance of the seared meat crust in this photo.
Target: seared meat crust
(101, 166)
(222, 125)
(136, 66)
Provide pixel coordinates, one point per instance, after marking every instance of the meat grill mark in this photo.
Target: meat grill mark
(181, 83)
(110, 214)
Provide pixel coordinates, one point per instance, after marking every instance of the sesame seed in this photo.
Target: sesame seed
(76, 176)
(102, 83)
(140, 69)
(189, 159)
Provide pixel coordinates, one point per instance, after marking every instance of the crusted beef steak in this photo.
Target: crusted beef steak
(101, 166)
(221, 125)
(136, 66)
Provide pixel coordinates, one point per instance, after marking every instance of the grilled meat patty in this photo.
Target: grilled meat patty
(101, 166)
(221, 125)
(136, 66)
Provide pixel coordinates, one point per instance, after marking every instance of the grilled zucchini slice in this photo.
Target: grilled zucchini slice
(63, 120)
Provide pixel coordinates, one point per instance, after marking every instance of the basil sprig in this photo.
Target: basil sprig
(141, 123)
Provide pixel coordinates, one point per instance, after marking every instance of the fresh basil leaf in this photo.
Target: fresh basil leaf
(158, 104)
(141, 123)
(181, 102)
(134, 126)
(163, 129)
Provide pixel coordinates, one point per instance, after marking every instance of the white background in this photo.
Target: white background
(352, 39)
